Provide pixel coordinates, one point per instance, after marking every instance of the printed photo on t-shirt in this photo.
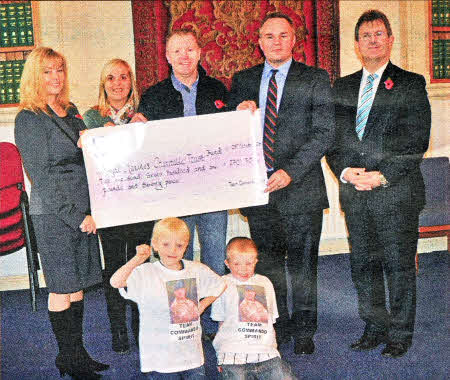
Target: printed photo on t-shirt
(252, 304)
(183, 302)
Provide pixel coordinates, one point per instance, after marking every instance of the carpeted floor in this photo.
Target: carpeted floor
(28, 347)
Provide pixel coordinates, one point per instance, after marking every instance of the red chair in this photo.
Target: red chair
(15, 223)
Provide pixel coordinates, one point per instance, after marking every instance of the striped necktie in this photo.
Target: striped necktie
(270, 121)
(365, 106)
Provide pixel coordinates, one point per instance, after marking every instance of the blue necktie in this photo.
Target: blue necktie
(270, 121)
(365, 106)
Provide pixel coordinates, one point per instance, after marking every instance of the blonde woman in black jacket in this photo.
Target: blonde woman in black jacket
(46, 133)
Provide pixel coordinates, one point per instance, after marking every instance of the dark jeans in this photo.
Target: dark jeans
(272, 369)
(190, 374)
(212, 234)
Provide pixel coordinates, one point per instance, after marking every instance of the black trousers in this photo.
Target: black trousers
(383, 244)
(119, 245)
(295, 238)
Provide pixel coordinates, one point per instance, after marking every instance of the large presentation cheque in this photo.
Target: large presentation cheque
(175, 167)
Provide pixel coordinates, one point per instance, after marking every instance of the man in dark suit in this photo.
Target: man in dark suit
(382, 130)
(298, 128)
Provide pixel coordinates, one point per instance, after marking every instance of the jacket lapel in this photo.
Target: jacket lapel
(346, 95)
(292, 84)
(351, 96)
(69, 132)
(256, 78)
(353, 92)
(380, 104)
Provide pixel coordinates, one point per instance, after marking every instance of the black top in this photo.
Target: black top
(163, 101)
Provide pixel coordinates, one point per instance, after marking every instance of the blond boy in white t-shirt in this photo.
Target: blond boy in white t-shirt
(166, 292)
(245, 343)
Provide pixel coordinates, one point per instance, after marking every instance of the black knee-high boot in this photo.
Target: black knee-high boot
(66, 361)
(77, 334)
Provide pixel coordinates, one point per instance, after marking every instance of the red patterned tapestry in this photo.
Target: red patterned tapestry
(228, 34)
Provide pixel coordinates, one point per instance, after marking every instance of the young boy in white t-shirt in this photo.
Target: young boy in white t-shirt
(166, 291)
(245, 343)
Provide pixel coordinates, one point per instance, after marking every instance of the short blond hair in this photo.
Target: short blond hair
(170, 226)
(33, 95)
(182, 32)
(241, 244)
(103, 105)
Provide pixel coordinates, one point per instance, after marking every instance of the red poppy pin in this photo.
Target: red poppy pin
(388, 83)
(78, 116)
(219, 104)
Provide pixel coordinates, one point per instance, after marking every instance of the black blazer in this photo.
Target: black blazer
(54, 164)
(163, 101)
(396, 136)
(305, 131)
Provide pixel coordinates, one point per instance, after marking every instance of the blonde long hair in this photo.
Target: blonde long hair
(33, 95)
(103, 105)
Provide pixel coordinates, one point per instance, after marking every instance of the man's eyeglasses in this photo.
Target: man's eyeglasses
(368, 36)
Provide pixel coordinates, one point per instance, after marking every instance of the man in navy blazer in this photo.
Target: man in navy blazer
(290, 224)
(380, 141)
